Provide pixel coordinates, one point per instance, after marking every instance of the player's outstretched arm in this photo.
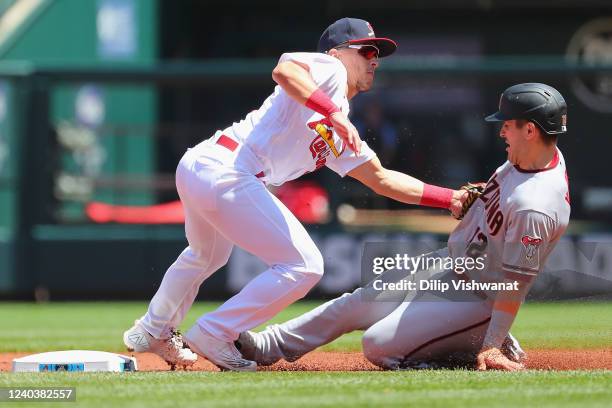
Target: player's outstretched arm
(407, 189)
(530, 233)
(504, 312)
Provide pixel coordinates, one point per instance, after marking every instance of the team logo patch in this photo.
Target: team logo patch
(323, 128)
(323, 145)
(531, 245)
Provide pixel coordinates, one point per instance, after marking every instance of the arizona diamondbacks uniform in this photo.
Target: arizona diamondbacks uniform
(220, 185)
(514, 225)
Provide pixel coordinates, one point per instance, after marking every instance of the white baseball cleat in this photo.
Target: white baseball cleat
(512, 349)
(222, 354)
(172, 349)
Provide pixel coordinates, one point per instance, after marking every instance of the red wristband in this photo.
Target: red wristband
(434, 196)
(321, 103)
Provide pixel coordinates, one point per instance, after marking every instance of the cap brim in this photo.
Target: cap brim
(496, 117)
(385, 45)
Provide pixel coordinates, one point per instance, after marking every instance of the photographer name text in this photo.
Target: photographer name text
(440, 286)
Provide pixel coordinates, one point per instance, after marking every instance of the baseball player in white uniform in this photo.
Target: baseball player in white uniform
(222, 182)
(514, 226)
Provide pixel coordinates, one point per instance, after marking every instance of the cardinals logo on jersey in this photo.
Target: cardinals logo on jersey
(323, 143)
(323, 128)
(531, 245)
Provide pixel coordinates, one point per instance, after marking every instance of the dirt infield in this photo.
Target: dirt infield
(328, 361)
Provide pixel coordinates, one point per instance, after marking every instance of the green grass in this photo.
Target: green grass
(54, 326)
(308, 389)
(562, 325)
(99, 326)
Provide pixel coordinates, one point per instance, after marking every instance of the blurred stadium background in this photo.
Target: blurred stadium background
(100, 98)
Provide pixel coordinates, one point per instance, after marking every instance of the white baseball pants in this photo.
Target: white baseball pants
(226, 205)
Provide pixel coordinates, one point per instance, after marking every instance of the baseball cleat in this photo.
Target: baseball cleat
(512, 349)
(172, 349)
(251, 346)
(223, 354)
(247, 345)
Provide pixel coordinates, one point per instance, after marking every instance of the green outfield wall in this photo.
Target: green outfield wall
(34, 115)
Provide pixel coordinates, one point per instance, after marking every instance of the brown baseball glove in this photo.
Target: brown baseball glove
(474, 191)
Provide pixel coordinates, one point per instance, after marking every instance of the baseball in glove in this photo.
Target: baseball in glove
(474, 190)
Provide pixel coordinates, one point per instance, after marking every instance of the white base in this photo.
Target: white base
(74, 360)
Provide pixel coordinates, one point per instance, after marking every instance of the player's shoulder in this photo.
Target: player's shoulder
(328, 72)
(311, 58)
(537, 187)
(545, 192)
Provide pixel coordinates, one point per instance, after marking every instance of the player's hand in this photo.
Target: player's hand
(464, 198)
(494, 359)
(347, 132)
(456, 207)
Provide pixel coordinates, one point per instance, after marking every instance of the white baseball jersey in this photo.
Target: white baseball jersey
(517, 221)
(290, 139)
(226, 204)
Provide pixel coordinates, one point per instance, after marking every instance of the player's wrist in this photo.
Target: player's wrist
(438, 197)
(488, 349)
(457, 194)
(334, 115)
(321, 103)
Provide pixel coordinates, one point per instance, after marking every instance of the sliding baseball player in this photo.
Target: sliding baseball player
(512, 227)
